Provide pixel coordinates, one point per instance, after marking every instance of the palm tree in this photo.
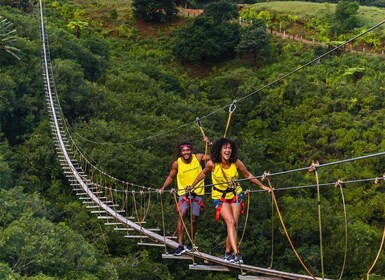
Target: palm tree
(7, 37)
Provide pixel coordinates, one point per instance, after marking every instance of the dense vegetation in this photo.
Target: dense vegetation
(127, 93)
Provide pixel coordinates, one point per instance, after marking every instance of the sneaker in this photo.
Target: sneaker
(227, 256)
(230, 258)
(189, 247)
(238, 259)
(179, 251)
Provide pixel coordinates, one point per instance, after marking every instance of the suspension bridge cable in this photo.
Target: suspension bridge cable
(232, 108)
(246, 218)
(317, 59)
(285, 230)
(272, 233)
(378, 255)
(313, 61)
(320, 165)
(181, 216)
(339, 184)
(313, 186)
(313, 168)
(86, 158)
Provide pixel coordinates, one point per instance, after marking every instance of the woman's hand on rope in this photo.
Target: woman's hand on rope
(265, 188)
(207, 140)
(265, 177)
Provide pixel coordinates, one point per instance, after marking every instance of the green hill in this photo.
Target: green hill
(369, 15)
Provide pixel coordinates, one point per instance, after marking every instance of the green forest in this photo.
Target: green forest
(135, 77)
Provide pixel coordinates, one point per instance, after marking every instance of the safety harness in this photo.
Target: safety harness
(187, 199)
(231, 188)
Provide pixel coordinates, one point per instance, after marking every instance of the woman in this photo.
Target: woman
(227, 195)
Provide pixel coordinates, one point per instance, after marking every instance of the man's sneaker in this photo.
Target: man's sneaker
(230, 258)
(189, 247)
(179, 251)
(238, 259)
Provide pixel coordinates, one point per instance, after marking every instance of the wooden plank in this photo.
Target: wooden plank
(173, 257)
(255, 277)
(171, 237)
(124, 229)
(151, 244)
(154, 229)
(209, 267)
(136, 236)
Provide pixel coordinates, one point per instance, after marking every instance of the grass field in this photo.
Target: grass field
(369, 15)
(100, 8)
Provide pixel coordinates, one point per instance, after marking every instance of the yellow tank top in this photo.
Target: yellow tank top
(187, 172)
(218, 178)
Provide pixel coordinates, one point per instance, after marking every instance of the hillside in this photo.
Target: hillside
(369, 15)
(128, 101)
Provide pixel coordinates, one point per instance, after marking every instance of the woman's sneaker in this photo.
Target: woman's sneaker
(238, 259)
(229, 258)
(179, 251)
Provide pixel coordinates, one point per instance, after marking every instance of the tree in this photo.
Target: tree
(206, 40)
(221, 11)
(346, 15)
(186, 3)
(34, 245)
(27, 5)
(154, 10)
(78, 26)
(7, 37)
(254, 41)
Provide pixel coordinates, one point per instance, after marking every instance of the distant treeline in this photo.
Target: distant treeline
(377, 3)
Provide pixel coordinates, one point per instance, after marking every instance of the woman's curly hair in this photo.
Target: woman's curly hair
(216, 150)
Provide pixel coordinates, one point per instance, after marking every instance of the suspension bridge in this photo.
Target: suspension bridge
(114, 200)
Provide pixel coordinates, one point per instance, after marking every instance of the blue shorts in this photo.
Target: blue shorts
(238, 201)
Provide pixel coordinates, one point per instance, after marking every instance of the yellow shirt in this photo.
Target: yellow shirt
(187, 172)
(220, 181)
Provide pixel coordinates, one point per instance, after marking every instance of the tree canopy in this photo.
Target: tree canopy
(255, 41)
(128, 101)
(154, 10)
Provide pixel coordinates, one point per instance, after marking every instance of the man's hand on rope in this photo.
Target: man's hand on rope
(160, 190)
(188, 189)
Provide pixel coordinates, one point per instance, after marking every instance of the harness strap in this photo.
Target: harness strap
(226, 191)
(230, 189)
(187, 200)
(229, 201)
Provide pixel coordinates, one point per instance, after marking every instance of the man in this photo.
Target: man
(186, 168)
